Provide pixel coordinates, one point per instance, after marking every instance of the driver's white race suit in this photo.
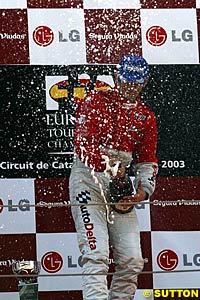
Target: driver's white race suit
(108, 127)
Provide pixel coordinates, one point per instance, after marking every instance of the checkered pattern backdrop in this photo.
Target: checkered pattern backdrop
(37, 39)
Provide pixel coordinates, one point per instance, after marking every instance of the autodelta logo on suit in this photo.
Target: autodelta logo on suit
(60, 31)
(169, 36)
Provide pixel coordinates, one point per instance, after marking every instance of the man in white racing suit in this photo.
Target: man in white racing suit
(112, 127)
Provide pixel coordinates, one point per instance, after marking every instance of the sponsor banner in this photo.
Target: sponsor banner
(13, 3)
(111, 33)
(43, 142)
(173, 251)
(168, 4)
(180, 215)
(59, 254)
(54, 4)
(104, 4)
(14, 47)
(60, 31)
(38, 141)
(55, 191)
(17, 192)
(14, 247)
(57, 218)
(169, 36)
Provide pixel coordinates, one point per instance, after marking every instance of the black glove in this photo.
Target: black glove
(118, 188)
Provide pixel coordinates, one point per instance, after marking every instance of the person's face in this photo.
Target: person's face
(129, 90)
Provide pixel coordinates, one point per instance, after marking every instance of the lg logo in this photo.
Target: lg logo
(23, 205)
(44, 36)
(157, 36)
(72, 36)
(193, 260)
(167, 260)
(52, 262)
